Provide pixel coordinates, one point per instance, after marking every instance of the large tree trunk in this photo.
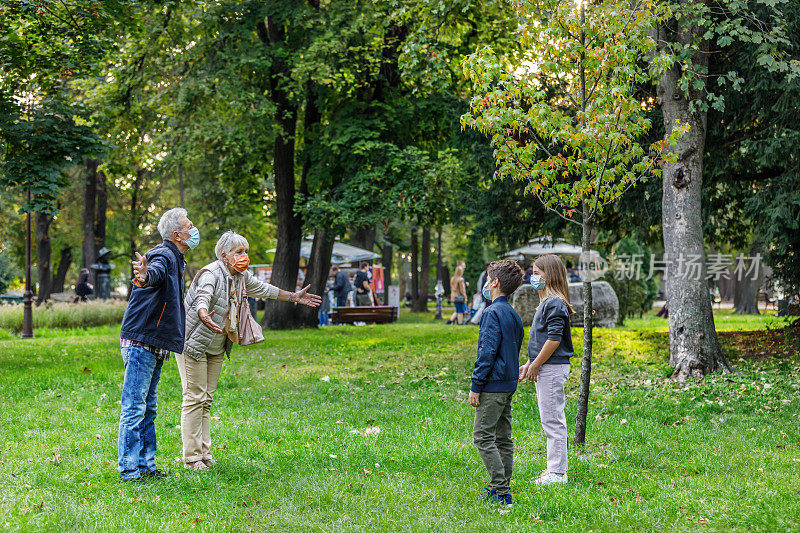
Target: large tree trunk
(133, 226)
(424, 271)
(746, 297)
(588, 324)
(89, 215)
(44, 253)
(694, 346)
(280, 315)
(64, 263)
(414, 269)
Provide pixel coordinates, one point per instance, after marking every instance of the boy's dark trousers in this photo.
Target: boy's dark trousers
(492, 437)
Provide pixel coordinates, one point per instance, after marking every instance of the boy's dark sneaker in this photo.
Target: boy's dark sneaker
(154, 474)
(490, 496)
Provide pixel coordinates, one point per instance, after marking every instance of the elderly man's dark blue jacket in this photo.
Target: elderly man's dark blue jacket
(499, 342)
(155, 314)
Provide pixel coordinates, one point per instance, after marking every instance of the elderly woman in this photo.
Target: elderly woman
(212, 304)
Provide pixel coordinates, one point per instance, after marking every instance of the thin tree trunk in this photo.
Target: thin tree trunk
(44, 252)
(386, 261)
(64, 263)
(133, 228)
(694, 346)
(588, 324)
(280, 315)
(414, 270)
(747, 287)
(319, 266)
(101, 212)
(89, 215)
(424, 271)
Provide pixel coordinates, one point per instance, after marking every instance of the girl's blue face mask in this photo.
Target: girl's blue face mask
(537, 282)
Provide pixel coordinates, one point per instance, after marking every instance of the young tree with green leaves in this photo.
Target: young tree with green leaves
(564, 117)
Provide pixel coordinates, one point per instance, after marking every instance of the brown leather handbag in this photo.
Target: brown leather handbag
(250, 331)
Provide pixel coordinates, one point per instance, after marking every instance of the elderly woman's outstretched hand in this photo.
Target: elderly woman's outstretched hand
(303, 297)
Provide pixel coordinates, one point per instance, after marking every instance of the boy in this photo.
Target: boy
(495, 378)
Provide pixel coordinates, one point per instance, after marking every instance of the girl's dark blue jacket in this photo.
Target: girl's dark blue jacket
(155, 314)
(499, 342)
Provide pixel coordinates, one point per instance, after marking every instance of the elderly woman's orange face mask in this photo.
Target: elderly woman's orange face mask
(242, 262)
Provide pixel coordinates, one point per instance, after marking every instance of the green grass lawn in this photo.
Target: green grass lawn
(721, 455)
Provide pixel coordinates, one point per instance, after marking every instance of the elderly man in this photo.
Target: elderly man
(153, 326)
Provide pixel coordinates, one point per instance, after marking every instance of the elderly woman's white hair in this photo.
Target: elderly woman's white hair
(228, 241)
(171, 221)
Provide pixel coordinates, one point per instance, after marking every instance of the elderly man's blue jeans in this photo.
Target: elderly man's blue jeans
(137, 429)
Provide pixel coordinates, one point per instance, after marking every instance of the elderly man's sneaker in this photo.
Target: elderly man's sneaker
(209, 462)
(550, 479)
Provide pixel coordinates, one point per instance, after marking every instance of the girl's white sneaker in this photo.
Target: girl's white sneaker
(549, 479)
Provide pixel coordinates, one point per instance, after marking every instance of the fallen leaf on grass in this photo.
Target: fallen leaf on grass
(505, 511)
(56, 459)
(326, 379)
(38, 505)
(136, 500)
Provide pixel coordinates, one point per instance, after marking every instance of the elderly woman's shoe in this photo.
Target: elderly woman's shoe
(209, 462)
(197, 466)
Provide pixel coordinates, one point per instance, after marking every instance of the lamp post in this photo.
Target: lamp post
(27, 297)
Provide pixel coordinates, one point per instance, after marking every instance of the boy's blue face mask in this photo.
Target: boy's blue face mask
(537, 282)
(486, 292)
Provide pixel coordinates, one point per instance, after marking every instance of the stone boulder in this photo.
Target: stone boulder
(604, 301)
(525, 300)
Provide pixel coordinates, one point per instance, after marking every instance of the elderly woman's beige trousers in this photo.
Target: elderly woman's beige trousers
(198, 381)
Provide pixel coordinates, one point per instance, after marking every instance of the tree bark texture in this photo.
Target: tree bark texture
(694, 346)
(319, 266)
(746, 295)
(280, 315)
(101, 211)
(588, 324)
(386, 260)
(364, 238)
(414, 269)
(89, 205)
(424, 271)
(44, 253)
(64, 262)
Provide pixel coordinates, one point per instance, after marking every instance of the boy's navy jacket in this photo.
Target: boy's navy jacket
(155, 314)
(499, 342)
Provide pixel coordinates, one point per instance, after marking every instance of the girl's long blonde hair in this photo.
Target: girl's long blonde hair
(555, 276)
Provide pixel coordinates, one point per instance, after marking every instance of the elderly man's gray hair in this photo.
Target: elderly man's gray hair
(171, 221)
(228, 242)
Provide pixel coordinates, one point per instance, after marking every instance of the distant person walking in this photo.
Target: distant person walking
(341, 286)
(83, 289)
(458, 292)
(363, 290)
(153, 326)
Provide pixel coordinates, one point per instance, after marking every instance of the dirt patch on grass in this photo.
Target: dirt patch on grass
(779, 343)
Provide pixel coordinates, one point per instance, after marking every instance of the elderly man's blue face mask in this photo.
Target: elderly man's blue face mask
(194, 238)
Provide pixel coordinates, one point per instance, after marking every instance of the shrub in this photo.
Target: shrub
(64, 315)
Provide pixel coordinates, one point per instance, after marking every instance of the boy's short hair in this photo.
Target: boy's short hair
(508, 272)
(364, 265)
(335, 268)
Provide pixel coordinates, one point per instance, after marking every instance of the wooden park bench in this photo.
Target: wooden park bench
(381, 314)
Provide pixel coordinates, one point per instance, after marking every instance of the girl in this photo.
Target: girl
(549, 350)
